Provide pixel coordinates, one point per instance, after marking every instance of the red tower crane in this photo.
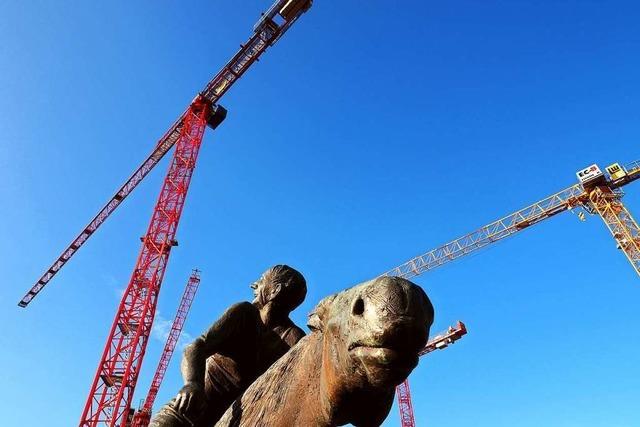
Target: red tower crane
(266, 32)
(113, 385)
(143, 416)
(439, 342)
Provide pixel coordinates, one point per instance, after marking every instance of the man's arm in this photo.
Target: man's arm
(194, 359)
(293, 335)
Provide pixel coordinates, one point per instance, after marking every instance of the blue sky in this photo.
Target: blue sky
(370, 133)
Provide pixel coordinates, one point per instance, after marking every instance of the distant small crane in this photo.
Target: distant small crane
(439, 342)
(143, 416)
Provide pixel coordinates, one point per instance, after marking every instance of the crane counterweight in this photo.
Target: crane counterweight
(294, 8)
(217, 114)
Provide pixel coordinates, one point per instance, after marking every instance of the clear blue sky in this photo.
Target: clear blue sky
(371, 133)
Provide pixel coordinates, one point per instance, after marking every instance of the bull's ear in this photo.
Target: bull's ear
(318, 316)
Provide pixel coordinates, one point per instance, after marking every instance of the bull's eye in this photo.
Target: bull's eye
(358, 307)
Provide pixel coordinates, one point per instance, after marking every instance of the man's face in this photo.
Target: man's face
(262, 290)
(256, 287)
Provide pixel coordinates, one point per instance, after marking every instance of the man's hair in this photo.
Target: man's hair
(293, 285)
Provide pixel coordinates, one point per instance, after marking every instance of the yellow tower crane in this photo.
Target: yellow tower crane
(597, 192)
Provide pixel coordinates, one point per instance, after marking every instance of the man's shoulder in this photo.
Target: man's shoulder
(241, 309)
(243, 306)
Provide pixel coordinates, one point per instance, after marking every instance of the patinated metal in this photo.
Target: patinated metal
(364, 341)
(248, 338)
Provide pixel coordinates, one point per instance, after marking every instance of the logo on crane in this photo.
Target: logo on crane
(589, 175)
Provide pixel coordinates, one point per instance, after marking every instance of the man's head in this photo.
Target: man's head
(282, 286)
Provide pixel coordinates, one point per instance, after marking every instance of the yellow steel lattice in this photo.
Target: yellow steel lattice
(497, 230)
(571, 197)
(623, 227)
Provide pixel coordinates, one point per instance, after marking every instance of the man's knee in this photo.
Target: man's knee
(167, 416)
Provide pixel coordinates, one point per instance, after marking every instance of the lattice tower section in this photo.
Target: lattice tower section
(112, 389)
(404, 404)
(143, 417)
(624, 228)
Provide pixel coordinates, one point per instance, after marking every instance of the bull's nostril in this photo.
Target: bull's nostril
(358, 307)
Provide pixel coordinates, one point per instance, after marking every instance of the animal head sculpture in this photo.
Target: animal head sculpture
(372, 332)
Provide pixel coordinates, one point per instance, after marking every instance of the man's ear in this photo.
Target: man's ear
(274, 291)
(317, 318)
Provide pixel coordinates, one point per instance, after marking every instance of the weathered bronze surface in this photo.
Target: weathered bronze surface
(219, 365)
(364, 342)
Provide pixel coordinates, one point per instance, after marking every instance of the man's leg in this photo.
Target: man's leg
(167, 416)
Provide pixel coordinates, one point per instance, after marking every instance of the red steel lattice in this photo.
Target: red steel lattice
(110, 397)
(404, 404)
(143, 417)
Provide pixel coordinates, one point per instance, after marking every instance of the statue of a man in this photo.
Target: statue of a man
(248, 338)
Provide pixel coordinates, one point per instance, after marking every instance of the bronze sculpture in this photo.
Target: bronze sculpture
(219, 365)
(364, 342)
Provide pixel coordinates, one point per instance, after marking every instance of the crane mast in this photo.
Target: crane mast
(143, 416)
(624, 228)
(113, 385)
(597, 194)
(439, 342)
(111, 392)
(271, 26)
